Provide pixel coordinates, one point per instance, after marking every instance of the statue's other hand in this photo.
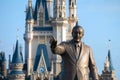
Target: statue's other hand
(53, 42)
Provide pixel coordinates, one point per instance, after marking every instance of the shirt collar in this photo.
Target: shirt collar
(78, 44)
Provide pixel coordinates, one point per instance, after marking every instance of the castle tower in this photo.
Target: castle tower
(72, 19)
(28, 35)
(17, 72)
(3, 64)
(59, 24)
(59, 21)
(109, 72)
(59, 9)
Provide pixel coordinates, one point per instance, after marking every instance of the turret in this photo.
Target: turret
(108, 65)
(29, 17)
(59, 9)
(59, 23)
(17, 57)
(72, 19)
(9, 64)
(72, 8)
(109, 72)
(3, 64)
(17, 72)
(28, 35)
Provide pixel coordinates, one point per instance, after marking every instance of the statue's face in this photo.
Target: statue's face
(77, 34)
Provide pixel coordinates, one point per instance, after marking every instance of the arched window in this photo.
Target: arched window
(72, 15)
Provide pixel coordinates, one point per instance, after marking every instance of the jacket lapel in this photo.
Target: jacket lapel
(72, 50)
(81, 52)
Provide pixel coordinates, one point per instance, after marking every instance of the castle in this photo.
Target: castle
(48, 18)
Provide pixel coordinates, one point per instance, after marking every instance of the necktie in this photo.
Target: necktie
(77, 51)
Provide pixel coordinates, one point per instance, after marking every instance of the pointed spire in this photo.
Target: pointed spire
(76, 23)
(109, 56)
(17, 58)
(29, 15)
(30, 3)
(108, 64)
(9, 58)
(110, 61)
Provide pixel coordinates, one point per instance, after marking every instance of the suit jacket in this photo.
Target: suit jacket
(71, 66)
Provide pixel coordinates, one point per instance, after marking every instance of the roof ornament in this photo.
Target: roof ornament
(76, 23)
(109, 42)
(111, 68)
(17, 34)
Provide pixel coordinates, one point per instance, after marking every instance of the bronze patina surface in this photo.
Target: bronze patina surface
(77, 58)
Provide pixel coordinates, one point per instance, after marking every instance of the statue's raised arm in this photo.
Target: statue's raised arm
(53, 42)
(56, 49)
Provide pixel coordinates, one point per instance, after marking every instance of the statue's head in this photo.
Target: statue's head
(77, 33)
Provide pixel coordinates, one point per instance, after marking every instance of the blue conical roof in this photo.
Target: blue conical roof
(110, 61)
(17, 57)
(29, 15)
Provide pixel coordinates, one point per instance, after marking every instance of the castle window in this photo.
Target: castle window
(60, 16)
(72, 4)
(72, 15)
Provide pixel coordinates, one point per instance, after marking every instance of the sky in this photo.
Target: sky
(99, 18)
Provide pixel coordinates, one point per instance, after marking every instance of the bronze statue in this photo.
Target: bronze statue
(77, 58)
